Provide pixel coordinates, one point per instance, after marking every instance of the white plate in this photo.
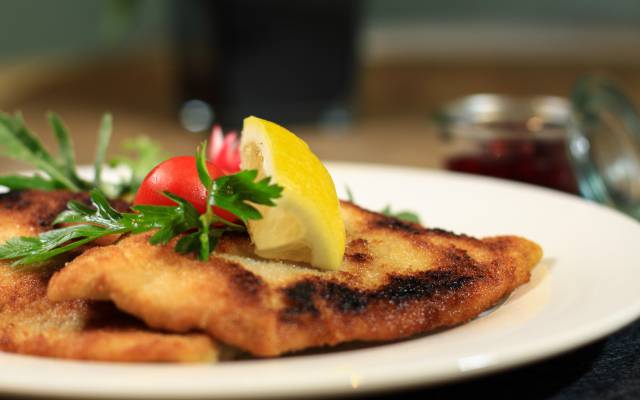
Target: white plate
(587, 286)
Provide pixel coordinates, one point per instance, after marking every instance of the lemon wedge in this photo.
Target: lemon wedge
(306, 224)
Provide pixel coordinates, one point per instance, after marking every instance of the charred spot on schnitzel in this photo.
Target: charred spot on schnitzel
(345, 299)
(395, 224)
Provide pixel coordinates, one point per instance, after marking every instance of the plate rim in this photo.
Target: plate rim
(506, 359)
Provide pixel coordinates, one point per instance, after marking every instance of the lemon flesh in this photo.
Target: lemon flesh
(306, 224)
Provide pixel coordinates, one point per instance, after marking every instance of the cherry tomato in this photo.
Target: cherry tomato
(179, 176)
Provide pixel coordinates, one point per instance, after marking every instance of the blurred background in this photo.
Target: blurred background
(359, 80)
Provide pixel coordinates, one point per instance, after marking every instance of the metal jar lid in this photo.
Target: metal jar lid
(604, 144)
(487, 116)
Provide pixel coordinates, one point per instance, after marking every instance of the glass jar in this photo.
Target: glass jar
(588, 144)
(521, 139)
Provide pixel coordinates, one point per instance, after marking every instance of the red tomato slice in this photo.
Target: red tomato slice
(178, 175)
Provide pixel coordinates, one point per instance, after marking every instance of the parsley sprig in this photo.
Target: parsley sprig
(236, 193)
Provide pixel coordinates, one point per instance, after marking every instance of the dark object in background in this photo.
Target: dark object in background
(287, 61)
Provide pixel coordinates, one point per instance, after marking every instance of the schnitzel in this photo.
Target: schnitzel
(398, 279)
(117, 297)
(78, 329)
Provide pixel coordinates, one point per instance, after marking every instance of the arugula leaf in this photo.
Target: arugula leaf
(104, 136)
(405, 215)
(350, 197)
(142, 154)
(18, 143)
(59, 172)
(65, 146)
(22, 182)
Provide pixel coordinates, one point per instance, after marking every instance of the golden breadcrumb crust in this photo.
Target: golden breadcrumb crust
(78, 329)
(398, 279)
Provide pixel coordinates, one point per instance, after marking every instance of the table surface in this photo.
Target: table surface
(605, 370)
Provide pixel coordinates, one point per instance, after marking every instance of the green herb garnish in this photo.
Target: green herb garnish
(405, 215)
(104, 137)
(141, 155)
(350, 197)
(19, 143)
(200, 233)
(59, 172)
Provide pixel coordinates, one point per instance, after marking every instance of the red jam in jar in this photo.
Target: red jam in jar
(511, 138)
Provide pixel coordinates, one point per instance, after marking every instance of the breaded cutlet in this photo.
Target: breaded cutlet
(397, 280)
(78, 329)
